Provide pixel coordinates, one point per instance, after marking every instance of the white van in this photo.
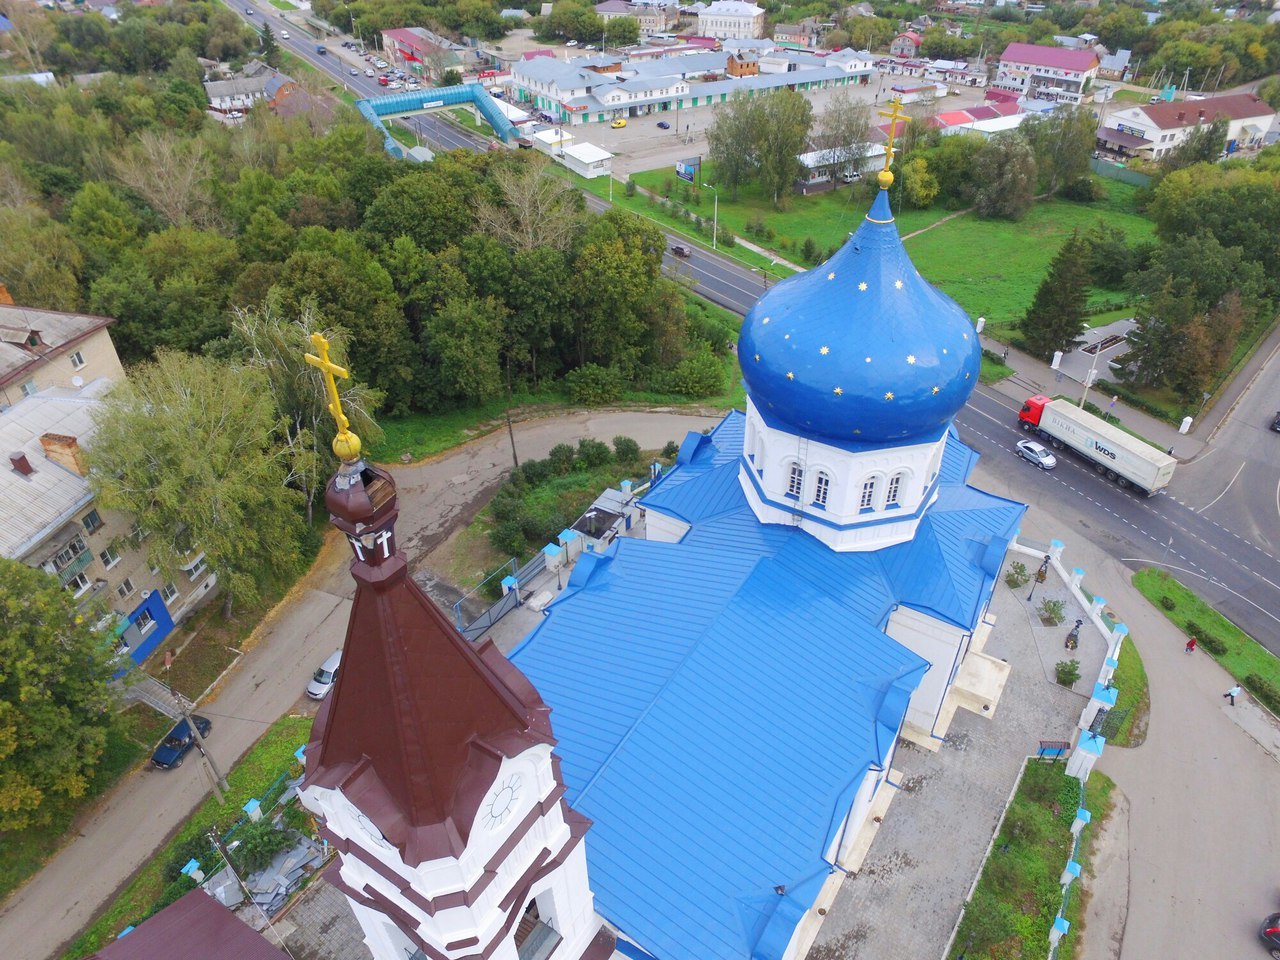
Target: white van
(325, 677)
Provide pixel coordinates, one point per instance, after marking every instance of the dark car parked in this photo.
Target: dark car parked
(1269, 934)
(1275, 424)
(663, 125)
(175, 746)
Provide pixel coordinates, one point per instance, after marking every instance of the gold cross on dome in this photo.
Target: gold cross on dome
(346, 445)
(893, 117)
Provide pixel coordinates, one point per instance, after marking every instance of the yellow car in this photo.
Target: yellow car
(618, 124)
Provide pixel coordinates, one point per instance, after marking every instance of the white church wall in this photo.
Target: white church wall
(901, 479)
(857, 816)
(663, 528)
(937, 642)
(533, 774)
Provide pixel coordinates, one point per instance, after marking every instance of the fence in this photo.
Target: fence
(510, 600)
(1105, 168)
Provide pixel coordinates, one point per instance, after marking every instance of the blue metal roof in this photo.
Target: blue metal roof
(718, 701)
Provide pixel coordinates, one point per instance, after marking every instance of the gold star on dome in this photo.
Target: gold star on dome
(911, 358)
(838, 392)
(862, 285)
(786, 336)
(857, 431)
(868, 359)
(944, 349)
(888, 395)
(965, 335)
(757, 358)
(765, 320)
(831, 275)
(790, 375)
(935, 390)
(824, 350)
(897, 284)
(966, 376)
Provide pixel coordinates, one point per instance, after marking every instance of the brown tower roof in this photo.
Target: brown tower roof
(420, 720)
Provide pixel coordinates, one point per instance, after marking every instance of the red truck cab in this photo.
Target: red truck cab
(1029, 415)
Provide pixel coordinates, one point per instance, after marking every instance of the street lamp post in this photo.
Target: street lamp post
(715, 215)
(1041, 576)
(1093, 371)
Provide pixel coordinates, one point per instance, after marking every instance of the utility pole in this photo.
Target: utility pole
(219, 781)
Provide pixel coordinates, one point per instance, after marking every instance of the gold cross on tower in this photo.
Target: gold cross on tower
(346, 445)
(896, 115)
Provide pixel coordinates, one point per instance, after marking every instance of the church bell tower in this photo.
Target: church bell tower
(430, 765)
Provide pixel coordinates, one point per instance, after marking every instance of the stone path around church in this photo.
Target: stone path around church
(904, 902)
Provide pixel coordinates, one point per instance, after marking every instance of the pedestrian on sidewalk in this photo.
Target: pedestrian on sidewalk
(1191, 645)
(1233, 693)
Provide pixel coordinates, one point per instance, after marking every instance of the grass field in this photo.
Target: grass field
(283, 5)
(270, 757)
(1133, 694)
(1018, 896)
(992, 267)
(1244, 656)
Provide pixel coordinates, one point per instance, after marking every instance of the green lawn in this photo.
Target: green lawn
(267, 760)
(1244, 656)
(283, 5)
(1133, 694)
(993, 267)
(1018, 896)
(401, 135)
(25, 851)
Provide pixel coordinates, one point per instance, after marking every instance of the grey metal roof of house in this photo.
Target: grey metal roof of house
(240, 87)
(37, 504)
(57, 332)
(1116, 61)
(678, 66)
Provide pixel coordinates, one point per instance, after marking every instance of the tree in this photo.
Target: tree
(1004, 174)
(1056, 315)
(622, 31)
(463, 340)
(451, 78)
(1203, 145)
(1062, 142)
(103, 225)
(29, 35)
(55, 704)
(919, 186)
(537, 209)
(842, 129)
(277, 346)
(170, 173)
(39, 260)
(1269, 90)
(731, 140)
(785, 119)
(194, 450)
(424, 206)
(270, 49)
(1204, 271)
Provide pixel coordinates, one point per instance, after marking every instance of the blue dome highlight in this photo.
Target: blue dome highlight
(861, 348)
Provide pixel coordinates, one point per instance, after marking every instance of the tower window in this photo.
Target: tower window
(892, 498)
(821, 489)
(796, 483)
(868, 495)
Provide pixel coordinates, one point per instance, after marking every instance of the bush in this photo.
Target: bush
(1168, 603)
(670, 451)
(1067, 672)
(198, 847)
(562, 458)
(594, 453)
(698, 375)
(593, 385)
(1082, 190)
(1016, 576)
(508, 536)
(1053, 611)
(172, 893)
(259, 842)
(537, 471)
(1209, 641)
(727, 239)
(631, 188)
(626, 449)
(809, 250)
(1265, 691)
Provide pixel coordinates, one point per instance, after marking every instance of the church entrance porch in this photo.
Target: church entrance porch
(535, 940)
(907, 894)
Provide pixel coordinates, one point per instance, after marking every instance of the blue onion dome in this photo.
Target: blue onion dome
(862, 348)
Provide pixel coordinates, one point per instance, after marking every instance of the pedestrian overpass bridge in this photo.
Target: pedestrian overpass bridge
(410, 102)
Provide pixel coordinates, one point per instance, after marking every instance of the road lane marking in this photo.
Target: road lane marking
(1213, 580)
(1223, 493)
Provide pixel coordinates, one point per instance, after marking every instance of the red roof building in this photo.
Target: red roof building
(197, 927)
(1046, 73)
